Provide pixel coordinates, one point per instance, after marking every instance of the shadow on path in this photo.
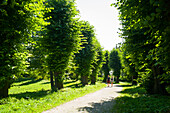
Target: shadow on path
(99, 107)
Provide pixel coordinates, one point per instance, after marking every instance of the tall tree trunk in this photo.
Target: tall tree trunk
(117, 79)
(4, 90)
(93, 76)
(93, 79)
(77, 77)
(84, 80)
(52, 80)
(106, 73)
(58, 81)
(158, 88)
(134, 78)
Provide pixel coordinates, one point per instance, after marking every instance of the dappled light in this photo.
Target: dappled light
(54, 56)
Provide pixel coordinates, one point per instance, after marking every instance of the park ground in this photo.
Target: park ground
(29, 95)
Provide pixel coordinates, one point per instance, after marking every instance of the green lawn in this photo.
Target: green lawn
(134, 99)
(28, 95)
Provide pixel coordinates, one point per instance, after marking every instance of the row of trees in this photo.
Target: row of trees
(146, 47)
(43, 38)
(113, 63)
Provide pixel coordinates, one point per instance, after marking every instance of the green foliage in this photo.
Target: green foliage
(145, 30)
(61, 37)
(134, 99)
(105, 66)
(85, 57)
(97, 63)
(128, 67)
(38, 65)
(18, 20)
(114, 62)
(29, 95)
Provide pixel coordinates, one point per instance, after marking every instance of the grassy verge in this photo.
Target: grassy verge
(28, 96)
(134, 99)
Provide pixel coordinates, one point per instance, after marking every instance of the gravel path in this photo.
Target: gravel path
(97, 102)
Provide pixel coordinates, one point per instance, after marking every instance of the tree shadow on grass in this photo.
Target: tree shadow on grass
(68, 82)
(31, 95)
(78, 85)
(138, 101)
(46, 83)
(31, 82)
(142, 104)
(105, 106)
(139, 90)
(22, 80)
(123, 85)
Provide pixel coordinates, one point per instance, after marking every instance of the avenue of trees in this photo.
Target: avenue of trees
(45, 39)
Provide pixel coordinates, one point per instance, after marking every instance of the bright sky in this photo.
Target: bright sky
(104, 18)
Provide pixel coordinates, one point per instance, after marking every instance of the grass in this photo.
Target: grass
(133, 99)
(28, 95)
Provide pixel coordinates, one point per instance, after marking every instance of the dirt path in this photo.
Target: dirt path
(97, 102)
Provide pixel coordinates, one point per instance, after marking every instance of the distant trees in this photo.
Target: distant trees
(105, 67)
(146, 33)
(115, 64)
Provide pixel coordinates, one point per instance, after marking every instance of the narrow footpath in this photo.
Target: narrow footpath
(98, 102)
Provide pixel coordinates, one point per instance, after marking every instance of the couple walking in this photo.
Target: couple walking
(110, 80)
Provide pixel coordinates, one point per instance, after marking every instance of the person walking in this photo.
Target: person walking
(108, 81)
(112, 81)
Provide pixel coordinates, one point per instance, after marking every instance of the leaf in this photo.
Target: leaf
(148, 18)
(151, 1)
(158, 10)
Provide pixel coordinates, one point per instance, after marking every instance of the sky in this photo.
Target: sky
(104, 18)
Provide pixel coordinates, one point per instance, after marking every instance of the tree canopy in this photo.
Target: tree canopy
(19, 20)
(146, 33)
(61, 38)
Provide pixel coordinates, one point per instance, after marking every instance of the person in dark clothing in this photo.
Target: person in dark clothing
(108, 80)
(112, 79)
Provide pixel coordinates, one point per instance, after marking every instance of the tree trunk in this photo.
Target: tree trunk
(77, 77)
(58, 81)
(134, 82)
(117, 79)
(158, 88)
(4, 90)
(93, 76)
(52, 81)
(84, 80)
(93, 79)
(106, 73)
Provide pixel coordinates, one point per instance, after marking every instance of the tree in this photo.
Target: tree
(18, 22)
(115, 64)
(105, 66)
(97, 63)
(129, 68)
(61, 38)
(145, 30)
(86, 56)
